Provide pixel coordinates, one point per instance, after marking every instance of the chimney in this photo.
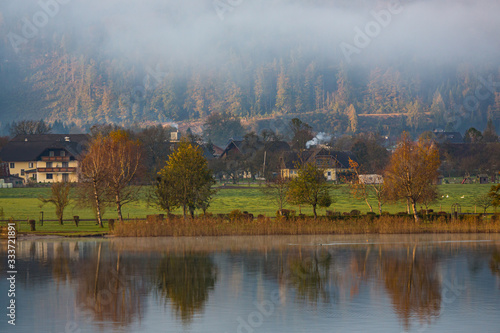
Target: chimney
(175, 136)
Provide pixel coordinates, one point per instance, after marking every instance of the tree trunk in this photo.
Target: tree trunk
(97, 205)
(119, 208)
(314, 212)
(379, 207)
(369, 206)
(184, 211)
(408, 206)
(414, 206)
(60, 217)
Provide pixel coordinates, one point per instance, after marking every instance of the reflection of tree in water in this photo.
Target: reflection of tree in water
(186, 280)
(311, 275)
(110, 288)
(413, 285)
(495, 262)
(60, 265)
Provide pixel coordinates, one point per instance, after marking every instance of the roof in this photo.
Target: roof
(26, 148)
(451, 137)
(80, 138)
(242, 146)
(290, 158)
(217, 150)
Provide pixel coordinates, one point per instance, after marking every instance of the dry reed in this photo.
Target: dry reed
(210, 226)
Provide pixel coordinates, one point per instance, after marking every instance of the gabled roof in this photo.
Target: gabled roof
(342, 157)
(217, 150)
(26, 148)
(276, 146)
(291, 160)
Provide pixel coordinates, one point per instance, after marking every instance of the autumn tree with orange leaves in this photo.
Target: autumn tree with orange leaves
(124, 167)
(412, 169)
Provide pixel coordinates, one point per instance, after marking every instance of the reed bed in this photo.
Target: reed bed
(212, 226)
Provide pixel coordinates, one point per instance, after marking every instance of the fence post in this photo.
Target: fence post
(111, 224)
(32, 225)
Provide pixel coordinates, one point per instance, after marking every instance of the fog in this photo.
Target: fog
(213, 33)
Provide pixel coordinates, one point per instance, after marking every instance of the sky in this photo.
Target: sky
(213, 32)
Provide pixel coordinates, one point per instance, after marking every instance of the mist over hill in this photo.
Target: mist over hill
(333, 62)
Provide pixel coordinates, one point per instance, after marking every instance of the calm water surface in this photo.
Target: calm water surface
(430, 283)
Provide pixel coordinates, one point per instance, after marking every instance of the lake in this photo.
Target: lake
(363, 283)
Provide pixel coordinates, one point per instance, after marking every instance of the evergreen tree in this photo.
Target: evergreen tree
(438, 109)
(353, 118)
(489, 133)
(283, 94)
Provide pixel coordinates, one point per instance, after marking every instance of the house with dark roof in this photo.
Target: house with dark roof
(233, 147)
(44, 158)
(242, 146)
(448, 137)
(331, 161)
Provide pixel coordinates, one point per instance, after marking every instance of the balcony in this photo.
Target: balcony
(65, 170)
(55, 158)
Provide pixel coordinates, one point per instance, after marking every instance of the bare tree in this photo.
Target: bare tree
(59, 198)
(484, 201)
(27, 127)
(277, 188)
(94, 173)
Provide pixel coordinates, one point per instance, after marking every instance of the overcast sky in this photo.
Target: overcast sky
(213, 31)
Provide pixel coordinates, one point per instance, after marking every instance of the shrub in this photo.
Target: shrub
(235, 215)
(286, 213)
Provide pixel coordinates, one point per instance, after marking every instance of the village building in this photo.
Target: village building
(44, 158)
(334, 163)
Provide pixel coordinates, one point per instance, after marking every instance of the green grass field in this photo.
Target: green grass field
(23, 203)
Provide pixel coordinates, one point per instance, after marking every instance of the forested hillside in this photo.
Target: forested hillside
(100, 63)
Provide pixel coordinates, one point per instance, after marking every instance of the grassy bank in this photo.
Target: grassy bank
(306, 226)
(53, 228)
(23, 203)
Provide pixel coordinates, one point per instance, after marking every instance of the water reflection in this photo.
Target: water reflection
(131, 285)
(110, 288)
(186, 280)
(495, 262)
(310, 276)
(412, 283)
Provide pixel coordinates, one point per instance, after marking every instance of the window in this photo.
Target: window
(63, 153)
(12, 165)
(65, 177)
(49, 176)
(48, 165)
(65, 164)
(30, 165)
(22, 172)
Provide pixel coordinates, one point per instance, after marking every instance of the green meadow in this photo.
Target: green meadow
(23, 203)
